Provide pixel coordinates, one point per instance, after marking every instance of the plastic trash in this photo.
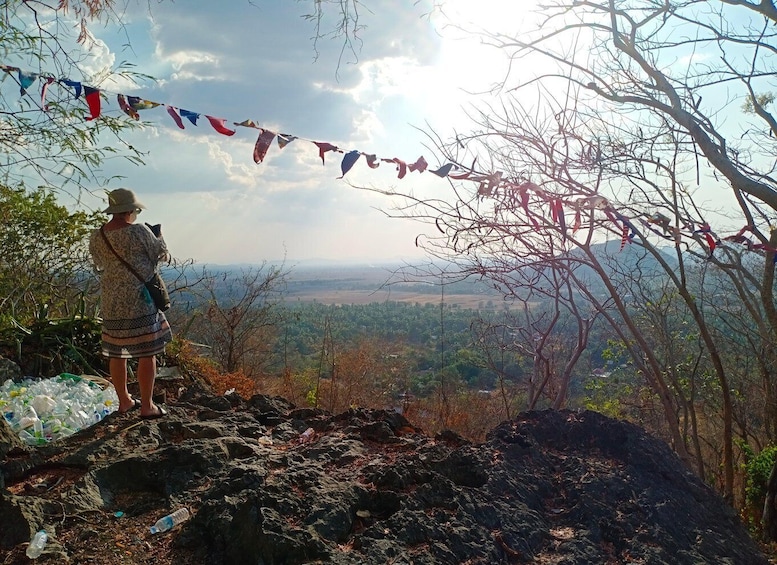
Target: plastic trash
(170, 521)
(307, 435)
(37, 544)
(43, 403)
(44, 410)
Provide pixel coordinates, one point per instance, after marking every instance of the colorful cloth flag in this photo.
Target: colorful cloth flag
(523, 192)
(444, 171)
(420, 165)
(73, 84)
(124, 105)
(92, 96)
(137, 103)
(349, 160)
(25, 80)
(262, 145)
(284, 139)
(628, 232)
(323, 147)
(247, 124)
(219, 125)
(174, 114)
(191, 116)
(710, 242)
(558, 212)
(401, 166)
(43, 91)
(372, 161)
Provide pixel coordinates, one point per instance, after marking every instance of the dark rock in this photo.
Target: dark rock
(367, 487)
(10, 441)
(9, 370)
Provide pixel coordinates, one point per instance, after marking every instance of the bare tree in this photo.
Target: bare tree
(239, 316)
(628, 118)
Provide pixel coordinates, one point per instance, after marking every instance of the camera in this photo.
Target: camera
(156, 229)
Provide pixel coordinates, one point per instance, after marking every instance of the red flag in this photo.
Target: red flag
(92, 96)
(420, 165)
(219, 125)
(174, 114)
(624, 235)
(524, 194)
(262, 144)
(323, 147)
(710, 241)
(560, 216)
(372, 161)
(401, 166)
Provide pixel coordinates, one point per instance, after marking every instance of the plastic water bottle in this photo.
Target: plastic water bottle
(37, 544)
(170, 521)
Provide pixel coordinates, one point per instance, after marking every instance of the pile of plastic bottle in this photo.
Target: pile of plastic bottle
(44, 410)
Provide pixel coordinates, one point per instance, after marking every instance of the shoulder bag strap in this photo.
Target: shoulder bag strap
(119, 257)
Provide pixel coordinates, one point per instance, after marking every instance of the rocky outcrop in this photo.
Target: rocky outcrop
(364, 486)
(9, 370)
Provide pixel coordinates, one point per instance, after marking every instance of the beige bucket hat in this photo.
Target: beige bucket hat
(122, 200)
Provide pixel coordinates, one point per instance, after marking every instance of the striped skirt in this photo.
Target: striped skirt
(136, 337)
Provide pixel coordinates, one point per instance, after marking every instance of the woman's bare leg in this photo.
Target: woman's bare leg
(118, 370)
(146, 377)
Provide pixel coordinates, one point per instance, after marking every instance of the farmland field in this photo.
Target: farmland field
(363, 284)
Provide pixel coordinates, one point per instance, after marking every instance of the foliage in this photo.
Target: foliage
(46, 299)
(758, 468)
(45, 257)
(56, 148)
(49, 347)
(47, 311)
(197, 367)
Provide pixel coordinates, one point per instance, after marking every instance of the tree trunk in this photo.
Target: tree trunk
(769, 518)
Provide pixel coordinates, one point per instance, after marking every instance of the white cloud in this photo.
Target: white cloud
(237, 61)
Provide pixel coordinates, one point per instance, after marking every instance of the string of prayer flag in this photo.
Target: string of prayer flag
(490, 185)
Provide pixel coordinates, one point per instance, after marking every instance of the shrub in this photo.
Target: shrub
(757, 471)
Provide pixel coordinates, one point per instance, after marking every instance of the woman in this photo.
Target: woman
(133, 328)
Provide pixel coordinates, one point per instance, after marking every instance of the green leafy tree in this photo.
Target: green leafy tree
(44, 254)
(47, 303)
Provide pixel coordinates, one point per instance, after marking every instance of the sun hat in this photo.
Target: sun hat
(122, 200)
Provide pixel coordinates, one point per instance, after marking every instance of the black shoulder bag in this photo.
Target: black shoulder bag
(155, 285)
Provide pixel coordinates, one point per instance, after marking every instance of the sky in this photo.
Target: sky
(413, 73)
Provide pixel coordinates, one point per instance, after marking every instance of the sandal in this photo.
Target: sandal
(135, 406)
(160, 412)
